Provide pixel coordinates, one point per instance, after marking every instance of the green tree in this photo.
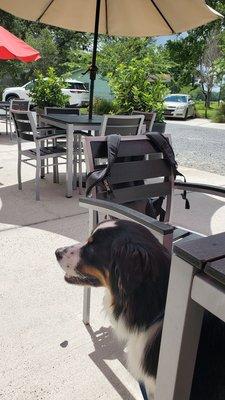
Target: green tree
(45, 43)
(208, 72)
(77, 59)
(187, 52)
(55, 45)
(185, 61)
(122, 50)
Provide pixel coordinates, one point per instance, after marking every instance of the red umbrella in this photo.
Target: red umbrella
(13, 48)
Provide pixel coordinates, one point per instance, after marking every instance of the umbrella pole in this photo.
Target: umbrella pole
(93, 68)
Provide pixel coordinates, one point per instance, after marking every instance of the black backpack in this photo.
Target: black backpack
(99, 177)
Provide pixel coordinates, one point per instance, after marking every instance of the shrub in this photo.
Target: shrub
(219, 115)
(47, 91)
(102, 106)
(137, 88)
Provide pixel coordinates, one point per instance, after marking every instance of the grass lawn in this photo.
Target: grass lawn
(200, 108)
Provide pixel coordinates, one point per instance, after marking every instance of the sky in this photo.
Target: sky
(161, 40)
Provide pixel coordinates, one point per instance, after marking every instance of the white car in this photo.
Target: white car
(179, 106)
(77, 91)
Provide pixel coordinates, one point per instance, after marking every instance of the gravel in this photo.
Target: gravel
(198, 147)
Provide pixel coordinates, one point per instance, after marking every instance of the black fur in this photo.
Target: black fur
(138, 268)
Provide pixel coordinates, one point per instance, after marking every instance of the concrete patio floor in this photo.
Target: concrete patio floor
(46, 351)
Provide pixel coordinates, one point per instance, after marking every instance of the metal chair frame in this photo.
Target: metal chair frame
(27, 130)
(122, 124)
(149, 118)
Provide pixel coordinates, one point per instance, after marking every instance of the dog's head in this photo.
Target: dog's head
(120, 255)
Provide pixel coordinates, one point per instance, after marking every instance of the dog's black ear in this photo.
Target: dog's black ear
(130, 266)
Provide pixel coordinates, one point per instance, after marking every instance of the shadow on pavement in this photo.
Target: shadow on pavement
(107, 348)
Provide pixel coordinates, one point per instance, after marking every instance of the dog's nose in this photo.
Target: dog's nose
(58, 254)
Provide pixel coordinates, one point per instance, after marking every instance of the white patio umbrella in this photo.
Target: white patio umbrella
(137, 18)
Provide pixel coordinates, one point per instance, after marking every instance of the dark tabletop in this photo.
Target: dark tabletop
(74, 119)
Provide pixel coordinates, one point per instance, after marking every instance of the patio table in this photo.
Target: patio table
(71, 123)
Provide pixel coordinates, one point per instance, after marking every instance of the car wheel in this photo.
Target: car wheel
(186, 115)
(11, 97)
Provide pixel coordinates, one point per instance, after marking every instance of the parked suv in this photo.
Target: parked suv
(77, 91)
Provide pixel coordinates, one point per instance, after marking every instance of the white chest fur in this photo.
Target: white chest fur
(136, 342)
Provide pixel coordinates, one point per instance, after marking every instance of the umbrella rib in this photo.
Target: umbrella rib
(164, 18)
(46, 9)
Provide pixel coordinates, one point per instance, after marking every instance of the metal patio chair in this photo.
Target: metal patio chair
(123, 125)
(17, 104)
(27, 130)
(149, 118)
(193, 254)
(78, 150)
(157, 180)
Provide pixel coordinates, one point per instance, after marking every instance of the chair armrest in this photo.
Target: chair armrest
(48, 128)
(200, 187)
(122, 212)
(50, 132)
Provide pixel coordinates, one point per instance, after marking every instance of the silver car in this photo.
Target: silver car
(179, 106)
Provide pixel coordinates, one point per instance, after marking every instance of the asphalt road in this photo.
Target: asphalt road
(198, 147)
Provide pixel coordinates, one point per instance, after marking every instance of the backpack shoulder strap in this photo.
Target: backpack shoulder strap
(162, 144)
(99, 175)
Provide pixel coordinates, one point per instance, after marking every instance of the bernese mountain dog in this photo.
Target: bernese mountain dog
(134, 267)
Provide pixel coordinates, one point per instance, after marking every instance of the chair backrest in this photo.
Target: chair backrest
(149, 118)
(58, 110)
(123, 125)
(18, 104)
(25, 125)
(139, 173)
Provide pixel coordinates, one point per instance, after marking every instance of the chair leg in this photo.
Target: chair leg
(47, 163)
(10, 127)
(6, 122)
(80, 163)
(37, 179)
(55, 166)
(75, 162)
(93, 220)
(42, 163)
(56, 170)
(86, 305)
(180, 336)
(19, 170)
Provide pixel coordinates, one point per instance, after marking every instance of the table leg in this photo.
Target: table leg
(180, 336)
(69, 161)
